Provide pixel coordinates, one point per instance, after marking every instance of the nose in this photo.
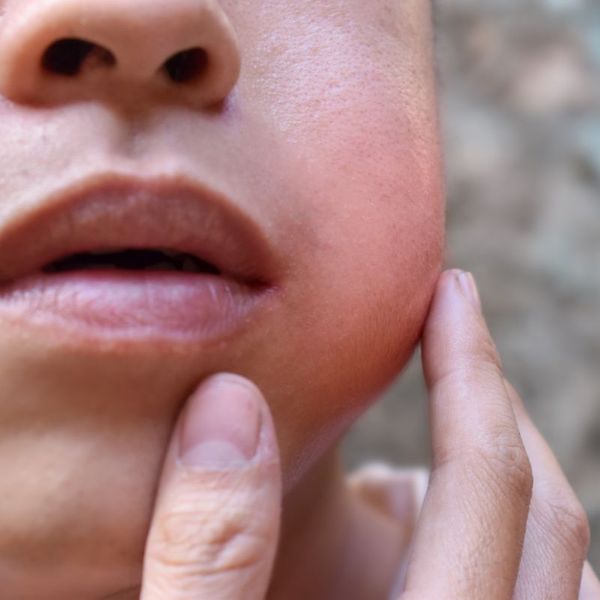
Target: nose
(56, 51)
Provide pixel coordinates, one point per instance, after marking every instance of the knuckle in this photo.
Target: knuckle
(206, 543)
(504, 465)
(563, 515)
(511, 469)
(506, 452)
(176, 537)
(498, 461)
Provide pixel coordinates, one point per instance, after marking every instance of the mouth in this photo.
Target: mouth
(132, 259)
(137, 259)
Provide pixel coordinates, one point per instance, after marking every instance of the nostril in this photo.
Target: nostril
(187, 65)
(69, 55)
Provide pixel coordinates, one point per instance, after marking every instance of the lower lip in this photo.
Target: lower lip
(134, 304)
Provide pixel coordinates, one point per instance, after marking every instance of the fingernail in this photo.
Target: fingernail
(221, 424)
(469, 288)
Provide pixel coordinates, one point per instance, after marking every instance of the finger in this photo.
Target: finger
(590, 586)
(216, 520)
(470, 533)
(557, 537)
(397, 493)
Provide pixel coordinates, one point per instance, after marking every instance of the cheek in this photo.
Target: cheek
(371, 240)
(375, 208)
(363, 126)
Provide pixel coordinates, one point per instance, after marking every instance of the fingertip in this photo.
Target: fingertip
(470, 290)
(461, 285)
(456, 333)
(449, 302)
(448, 278)
(267, 450)
(226, 424)
(230, 378)
(221, 424)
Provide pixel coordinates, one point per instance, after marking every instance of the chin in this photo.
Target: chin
(83, 437)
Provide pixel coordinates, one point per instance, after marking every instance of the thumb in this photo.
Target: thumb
(216, 519)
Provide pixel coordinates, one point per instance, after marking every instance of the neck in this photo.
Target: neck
(332, 545)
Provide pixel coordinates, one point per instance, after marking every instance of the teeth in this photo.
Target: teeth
(163, 265)
(99, 266)
(171, 260)
(189, 266)
(171, 253)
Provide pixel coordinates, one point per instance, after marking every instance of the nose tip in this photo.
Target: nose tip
(56, 51)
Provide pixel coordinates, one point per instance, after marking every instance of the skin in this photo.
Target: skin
(337, 98)
(326, 134)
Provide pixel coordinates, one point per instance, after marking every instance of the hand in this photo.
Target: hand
(499, 520)
(216, 518)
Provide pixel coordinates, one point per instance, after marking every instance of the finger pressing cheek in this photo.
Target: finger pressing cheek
(470, 534)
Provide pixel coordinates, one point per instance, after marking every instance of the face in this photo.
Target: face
(314, 125)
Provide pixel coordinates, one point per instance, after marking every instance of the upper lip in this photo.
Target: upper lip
(118, 212)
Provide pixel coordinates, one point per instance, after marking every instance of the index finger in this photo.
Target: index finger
(469, 538)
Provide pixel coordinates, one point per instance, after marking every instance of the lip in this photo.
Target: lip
(111, 212)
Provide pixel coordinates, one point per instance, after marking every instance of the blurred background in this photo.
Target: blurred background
(520, 100)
